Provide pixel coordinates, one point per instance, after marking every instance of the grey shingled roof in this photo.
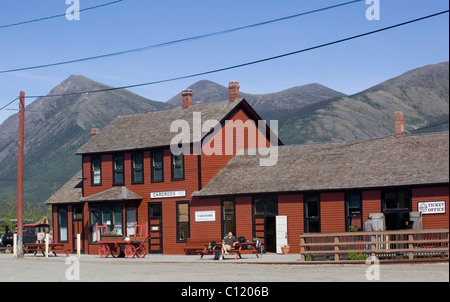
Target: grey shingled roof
(113, 194)
(148, 130)
(70, 192)
(410, 160)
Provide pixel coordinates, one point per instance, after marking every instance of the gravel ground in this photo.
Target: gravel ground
(181, 268)
(187, 277)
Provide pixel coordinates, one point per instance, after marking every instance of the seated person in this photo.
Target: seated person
(228, 242)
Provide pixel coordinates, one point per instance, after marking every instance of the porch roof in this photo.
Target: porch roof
(70, 192)
(113, 194)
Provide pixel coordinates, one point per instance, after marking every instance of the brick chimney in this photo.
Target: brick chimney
(233, 91)
(399, 129)
(186, 95)
(94, 132)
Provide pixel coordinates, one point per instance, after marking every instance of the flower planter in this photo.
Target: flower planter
(111, 238)
(285, 250)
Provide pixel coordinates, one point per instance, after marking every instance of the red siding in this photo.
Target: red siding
(244, 217)
(332, 212)
(292, 206)
(371, 203)
(431, 221)
(209, 229)
(211, 164)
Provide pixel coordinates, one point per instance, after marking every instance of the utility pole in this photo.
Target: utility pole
(20, 156)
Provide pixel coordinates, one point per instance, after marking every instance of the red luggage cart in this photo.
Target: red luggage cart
(114, 245)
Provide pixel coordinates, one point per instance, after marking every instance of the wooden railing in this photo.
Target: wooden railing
(402, 244)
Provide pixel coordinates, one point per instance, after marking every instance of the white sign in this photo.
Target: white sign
(205, 216)
(168, 194)
(432, 207)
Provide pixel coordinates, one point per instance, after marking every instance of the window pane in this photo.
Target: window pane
(157, 166)
(138, 168)
(403, 200)
(131, 220)
(95, 218)
(183, 221)
(96, 170)
(312, 209)
(155, 210)
(354, 201)
(106, 211)
(63, 224)
(177, 168)
(78, 213)
(118, 220)
(118, 169)
(272, 206)
(390, 200)
(228, 214)
(259, 207)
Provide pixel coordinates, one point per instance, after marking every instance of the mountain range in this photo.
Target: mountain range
(56, 126)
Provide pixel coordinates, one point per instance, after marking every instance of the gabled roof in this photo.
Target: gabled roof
(413, 160)
(70, 192)
(113, 194)
(150, 130)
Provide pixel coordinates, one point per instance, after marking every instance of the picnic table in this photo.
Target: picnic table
(52, 248)
(237, 250)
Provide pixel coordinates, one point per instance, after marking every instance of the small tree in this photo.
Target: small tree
(8, 211)
(32, 213)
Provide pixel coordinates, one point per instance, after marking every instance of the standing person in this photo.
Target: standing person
(50, 237)
(227, 243)
(368, 227)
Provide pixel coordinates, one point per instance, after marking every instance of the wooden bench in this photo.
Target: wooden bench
(197, 246)
(52, 248)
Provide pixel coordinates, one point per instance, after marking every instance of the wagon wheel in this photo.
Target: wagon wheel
(141, 251)
(103, 250)
(130, 251)
(115, 250)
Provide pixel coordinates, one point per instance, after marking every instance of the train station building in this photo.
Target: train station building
(200, 171)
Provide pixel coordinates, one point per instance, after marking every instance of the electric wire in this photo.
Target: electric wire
(9, 103)
(165, 44)
(57, 16)
(247, 63)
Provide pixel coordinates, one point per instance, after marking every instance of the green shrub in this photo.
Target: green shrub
(356, 256)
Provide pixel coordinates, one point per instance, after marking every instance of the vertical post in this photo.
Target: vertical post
(46, 245)
(20, 155)
(78, 246)
(15, 245)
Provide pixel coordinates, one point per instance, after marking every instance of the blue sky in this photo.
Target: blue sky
(348, 67)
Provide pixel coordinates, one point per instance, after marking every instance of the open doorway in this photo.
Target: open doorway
(271, 240)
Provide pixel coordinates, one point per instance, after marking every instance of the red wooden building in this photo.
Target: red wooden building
(130, 174)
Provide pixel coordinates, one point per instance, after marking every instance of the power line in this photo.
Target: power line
(57, 16)
(426, 127)
(9, 103)
(165, 44)
(252, 62)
